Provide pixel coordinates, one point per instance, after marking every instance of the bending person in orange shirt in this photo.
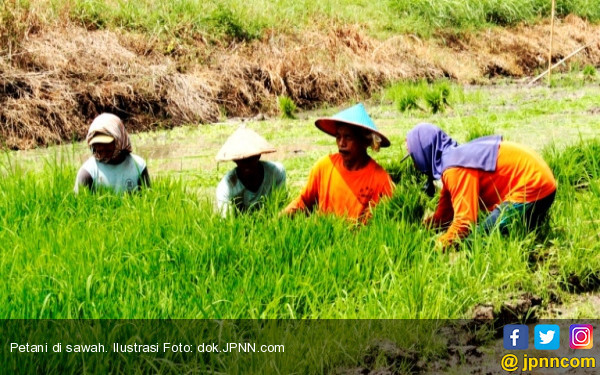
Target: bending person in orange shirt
(505, 178)
(348, 183)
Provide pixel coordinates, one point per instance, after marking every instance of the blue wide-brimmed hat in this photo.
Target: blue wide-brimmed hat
(354, 116)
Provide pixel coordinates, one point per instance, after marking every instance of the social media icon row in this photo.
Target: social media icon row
(547, 336)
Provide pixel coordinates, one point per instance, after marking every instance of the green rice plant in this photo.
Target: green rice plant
(576, 165)
(437, 97)
(287, 107)
(408, 100)
(589, 72)
(406, 95)
(256, 265)
(434, 100)
(477, 129)
(408, 202)
(166, 253)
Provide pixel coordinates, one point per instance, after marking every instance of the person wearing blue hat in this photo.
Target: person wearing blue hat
(348, 183)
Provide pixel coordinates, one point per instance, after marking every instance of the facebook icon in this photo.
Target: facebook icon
(516, 336)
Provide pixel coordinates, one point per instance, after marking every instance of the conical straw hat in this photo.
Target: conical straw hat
(242, 144)
(355, 116)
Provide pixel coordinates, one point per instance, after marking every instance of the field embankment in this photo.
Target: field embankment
(56, 76)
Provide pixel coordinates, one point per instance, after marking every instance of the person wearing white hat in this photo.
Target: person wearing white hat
(112, 165)
(348, 183)
(243, 187)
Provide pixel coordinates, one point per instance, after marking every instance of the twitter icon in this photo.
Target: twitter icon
(547, 337)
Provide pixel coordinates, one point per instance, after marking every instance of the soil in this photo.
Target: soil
(56, 80)
(469, 349)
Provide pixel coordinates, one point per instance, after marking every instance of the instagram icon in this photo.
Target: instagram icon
(581, 336)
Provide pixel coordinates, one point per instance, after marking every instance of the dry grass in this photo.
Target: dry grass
(54, 81)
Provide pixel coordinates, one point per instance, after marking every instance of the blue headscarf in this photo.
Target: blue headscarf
(433, 151)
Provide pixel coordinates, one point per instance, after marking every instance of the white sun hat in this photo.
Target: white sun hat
(243, 143)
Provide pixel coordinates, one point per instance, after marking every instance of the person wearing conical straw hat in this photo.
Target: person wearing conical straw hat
(348, 183)
(112, 165)
(243, 187)
(506, 179)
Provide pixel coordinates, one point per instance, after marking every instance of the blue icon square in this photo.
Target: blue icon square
(516, 336)
(547, 336)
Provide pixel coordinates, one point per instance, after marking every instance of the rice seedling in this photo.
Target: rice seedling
(166, 253)
(477, 129)
(434, 101)
(589, 72)
(287, 107)
(256, 265)
(409, 95)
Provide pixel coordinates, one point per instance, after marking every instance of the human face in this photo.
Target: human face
(248, 166)
(350, 144)
(104, 152)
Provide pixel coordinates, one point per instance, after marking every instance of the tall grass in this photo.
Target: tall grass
(577, 169)
(459, 14)
(226, 20)
(165, 253)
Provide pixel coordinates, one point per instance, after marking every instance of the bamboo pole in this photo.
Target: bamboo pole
(551, 40)
(560, 62)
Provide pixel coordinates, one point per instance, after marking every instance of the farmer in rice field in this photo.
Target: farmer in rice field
(243, 187)
(506, 179)
(112, 165)
(348, 183)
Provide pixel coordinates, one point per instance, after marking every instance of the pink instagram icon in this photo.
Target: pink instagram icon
(581, 336)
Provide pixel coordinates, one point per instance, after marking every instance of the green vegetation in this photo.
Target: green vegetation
(589, 72)
(424, 14)
(237, 20)
(437, 97)
(411, 95)
(166, 254)
(287, 107)
(477, 129)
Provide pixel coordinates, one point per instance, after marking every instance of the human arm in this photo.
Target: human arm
(144, 180)
(308, 196)
(83, 179)
(280, 178)
(463, 187)
(444, 213)
(224, 195)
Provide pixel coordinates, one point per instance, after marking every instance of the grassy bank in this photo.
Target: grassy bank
(227, 20)
(189, 62)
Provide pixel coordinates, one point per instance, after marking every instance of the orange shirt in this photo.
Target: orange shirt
(342, 192)
(521, 176)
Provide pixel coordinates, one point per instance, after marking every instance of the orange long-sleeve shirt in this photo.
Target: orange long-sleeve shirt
(521, 176)
(340, 191)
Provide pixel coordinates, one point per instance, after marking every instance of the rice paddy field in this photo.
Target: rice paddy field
(161, 266)
(165, 253)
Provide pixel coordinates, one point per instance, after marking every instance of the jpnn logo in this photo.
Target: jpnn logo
(516, 336)
(581, 336)
(547, 336)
